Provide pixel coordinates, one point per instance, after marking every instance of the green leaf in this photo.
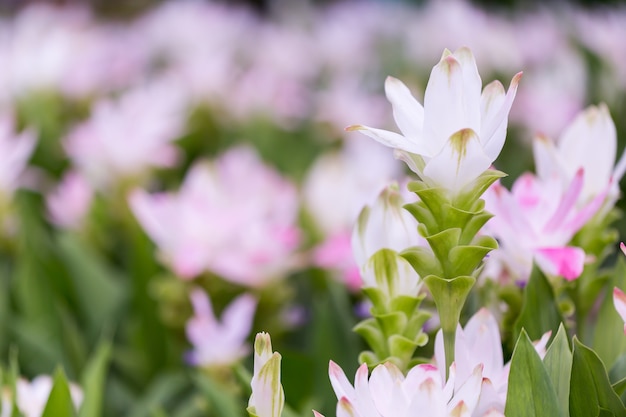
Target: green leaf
(93, 382)
(100, 292)
(540, 312)
(60, 401)
(472, 191)
(530, 391)
(423, 260)
(558, 363)
(590, 389)
(608, 340)
(223, 403)
(441, 244)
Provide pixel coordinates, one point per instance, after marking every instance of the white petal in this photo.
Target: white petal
(407, 112)
(461, 161)
(547, 159)
(391, 139)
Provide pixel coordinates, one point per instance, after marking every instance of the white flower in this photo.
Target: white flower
(459, 132)
(268, 397)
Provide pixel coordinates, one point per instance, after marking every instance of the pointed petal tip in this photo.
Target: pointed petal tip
(622, 246)
(354, 128)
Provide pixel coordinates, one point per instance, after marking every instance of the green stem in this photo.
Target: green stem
(449, 338)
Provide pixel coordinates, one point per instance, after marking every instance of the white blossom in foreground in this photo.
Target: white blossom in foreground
(32, 396)
(459, 132)
(219, 342)
(388, 393)
(268, 397)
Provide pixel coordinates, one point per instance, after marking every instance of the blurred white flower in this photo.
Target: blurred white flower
(219, 342)
(32, 397)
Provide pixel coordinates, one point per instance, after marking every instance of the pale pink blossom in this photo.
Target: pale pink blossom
(32, 396)
(15, 148)
(535, 221)
(126, 136)
(590, 143)
(458, 133)
(619, 300)
(235, 217)
(388, 393)
(219, 342)
(70, 201)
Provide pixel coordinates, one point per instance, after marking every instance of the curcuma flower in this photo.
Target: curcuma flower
(458, 133)
(219, 343)
(235, 217)
(268, 397)
(590, 143)
(535, 221)
(388, 393)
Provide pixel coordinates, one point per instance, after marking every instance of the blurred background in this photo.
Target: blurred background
(155, 147)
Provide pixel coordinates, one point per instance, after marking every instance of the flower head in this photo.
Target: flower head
(268, 397)
(235, 217)
(459, 132)
(217, 343)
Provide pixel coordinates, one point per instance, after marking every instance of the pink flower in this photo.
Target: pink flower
(388, 393)
(126, 136)
(16, 149)
(219, 342)
(70, 201)
(590, 143)
(535, 222)
(619, 300)
(235, 217)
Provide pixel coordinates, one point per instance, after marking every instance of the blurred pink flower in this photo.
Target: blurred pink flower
(219, 342)
(388, 393)
(235, 217)
(126, 136)
(590, 143)
(535, 221)
(619, 300)
(16, 149)
(70, 201)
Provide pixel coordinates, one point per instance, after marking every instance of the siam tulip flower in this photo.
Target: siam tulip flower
(381, 232)
(16, 149)
(479, 343)
(267, 398)
(350, 179)
(70, 201)
(32, 397)
(458, 133)
(126, 136)
(619, 300)
(388, 393)
(235, 217)
(590, 142)
(535, 222)
(219, 343)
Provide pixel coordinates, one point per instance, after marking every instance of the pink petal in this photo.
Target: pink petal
(567, 262)
(619, 300)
